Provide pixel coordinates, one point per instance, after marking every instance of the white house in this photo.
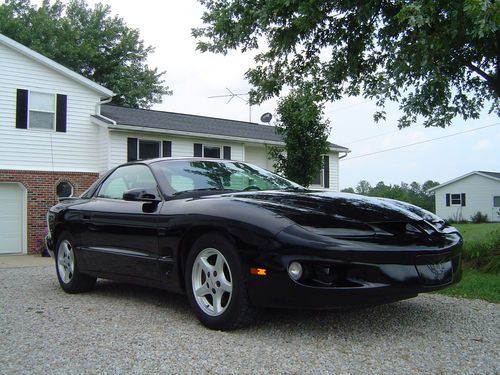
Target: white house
(57, 135)
(462, 197)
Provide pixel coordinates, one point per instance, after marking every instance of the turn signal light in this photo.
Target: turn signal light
(258, 271)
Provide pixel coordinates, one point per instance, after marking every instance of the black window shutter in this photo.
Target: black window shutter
(326, 171)
(197, 152)
(227, 152)
(463, 199)
(22, 109)
(131, 149)
(447, 200)
(167, 149)
(61, 109)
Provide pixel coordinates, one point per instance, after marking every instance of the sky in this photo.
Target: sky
(195, 77)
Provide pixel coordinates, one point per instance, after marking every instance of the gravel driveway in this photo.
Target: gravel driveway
(126, 329)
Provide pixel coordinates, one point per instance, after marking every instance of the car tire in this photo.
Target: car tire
(69, 276)
(215, 281)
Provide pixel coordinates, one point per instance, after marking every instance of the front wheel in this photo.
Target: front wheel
(69, 276)
(215, 284)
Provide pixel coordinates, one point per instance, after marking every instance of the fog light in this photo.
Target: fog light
(295, 270)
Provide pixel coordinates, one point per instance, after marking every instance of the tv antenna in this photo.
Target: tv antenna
(233, 95)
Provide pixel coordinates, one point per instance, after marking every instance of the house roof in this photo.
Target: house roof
(180, 122)
(492, 175)
(18, 47)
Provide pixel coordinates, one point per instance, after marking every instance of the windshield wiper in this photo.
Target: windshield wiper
(295, 188)
(201, 189)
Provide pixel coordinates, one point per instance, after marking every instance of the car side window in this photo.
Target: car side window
(126, 178)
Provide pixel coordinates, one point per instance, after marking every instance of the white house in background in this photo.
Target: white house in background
(462, 197)
(57, 136)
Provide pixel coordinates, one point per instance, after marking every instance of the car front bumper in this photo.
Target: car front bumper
(351, 284)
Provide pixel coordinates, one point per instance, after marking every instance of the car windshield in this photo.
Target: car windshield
(178, 176)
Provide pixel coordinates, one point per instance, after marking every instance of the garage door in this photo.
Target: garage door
(11, 218)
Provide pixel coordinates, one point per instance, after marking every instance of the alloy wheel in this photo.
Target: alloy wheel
(65, 261)
(212, 282)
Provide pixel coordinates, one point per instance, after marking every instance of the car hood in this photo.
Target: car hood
(341, 215)
(301, 207)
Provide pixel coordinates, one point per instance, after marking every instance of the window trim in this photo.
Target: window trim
(54, 112)
(70, 184)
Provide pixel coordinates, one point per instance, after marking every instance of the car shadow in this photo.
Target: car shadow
(414, 315)
(140, 294)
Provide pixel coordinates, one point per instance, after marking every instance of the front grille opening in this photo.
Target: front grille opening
(340, 275)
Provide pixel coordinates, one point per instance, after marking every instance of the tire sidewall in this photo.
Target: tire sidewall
(229, 317)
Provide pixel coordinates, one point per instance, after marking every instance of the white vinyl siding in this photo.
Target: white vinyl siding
(257, 155)
(479, 192)
(78, 149)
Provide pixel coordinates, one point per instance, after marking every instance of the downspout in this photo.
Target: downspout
(343, 156)
(98, 109)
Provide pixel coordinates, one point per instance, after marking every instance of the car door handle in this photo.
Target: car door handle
(86, 217)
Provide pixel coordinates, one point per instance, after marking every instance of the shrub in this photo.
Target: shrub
(478, 217)
(483, 255)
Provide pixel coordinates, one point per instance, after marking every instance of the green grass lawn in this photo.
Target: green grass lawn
(476, 284)
(477, 232)
(481, 253)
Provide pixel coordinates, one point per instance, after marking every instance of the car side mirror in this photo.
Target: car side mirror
(142, 195)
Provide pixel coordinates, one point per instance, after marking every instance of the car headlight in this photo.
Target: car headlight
(295, 270)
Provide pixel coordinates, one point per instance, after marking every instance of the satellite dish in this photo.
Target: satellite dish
(266, 117)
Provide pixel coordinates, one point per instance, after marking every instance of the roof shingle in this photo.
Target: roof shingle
(191, 123)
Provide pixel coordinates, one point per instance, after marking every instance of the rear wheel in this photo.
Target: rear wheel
(69, 276)
(215, 284)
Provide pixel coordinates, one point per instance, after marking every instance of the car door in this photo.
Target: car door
(118, 236)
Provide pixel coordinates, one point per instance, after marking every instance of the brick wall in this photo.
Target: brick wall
(41, 195)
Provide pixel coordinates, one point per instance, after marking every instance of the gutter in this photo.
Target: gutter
(98, 109)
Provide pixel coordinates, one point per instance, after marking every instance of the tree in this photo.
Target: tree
(363, 187)
(89, 42)
(305, 134)
(437, 59)
(413, 193)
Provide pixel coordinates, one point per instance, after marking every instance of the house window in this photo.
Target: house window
(148, 149)
(64, 189)
(142, 149)
(319, 179)
(496, 201)
(323, 179)
(456, 199)
(215, 152)
(211, 152)
(41, 110)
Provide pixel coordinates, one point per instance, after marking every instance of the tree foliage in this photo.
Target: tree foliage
(413, 193)
(437, 58)
(305, 133)
(90, 42)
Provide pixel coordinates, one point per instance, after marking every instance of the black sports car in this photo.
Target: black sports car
(234, 237)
